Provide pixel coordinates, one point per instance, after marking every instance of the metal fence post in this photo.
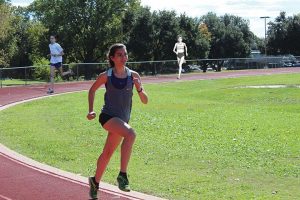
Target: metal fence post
(77, 72)
(234, 64)
(0, 78)
(25, 76)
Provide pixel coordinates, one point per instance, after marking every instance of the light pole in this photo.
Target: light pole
(265, 17)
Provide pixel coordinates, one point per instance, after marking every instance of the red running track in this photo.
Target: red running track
(19, 181)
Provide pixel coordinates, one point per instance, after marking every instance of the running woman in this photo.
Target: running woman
(179, 49)
(56, 53)
(115, 114)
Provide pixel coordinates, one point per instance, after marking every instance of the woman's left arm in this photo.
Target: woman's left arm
(60, 50)
(61, 53)
(185, 49)
(139, 87)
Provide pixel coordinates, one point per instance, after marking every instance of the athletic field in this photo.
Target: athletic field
(209, 139)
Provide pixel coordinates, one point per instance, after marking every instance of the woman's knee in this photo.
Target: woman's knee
(130, 134)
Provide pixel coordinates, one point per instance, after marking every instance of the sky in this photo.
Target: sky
(251, 10)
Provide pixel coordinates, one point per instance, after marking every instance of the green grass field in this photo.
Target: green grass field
(196, 140)
(11, 82)
(16, 82)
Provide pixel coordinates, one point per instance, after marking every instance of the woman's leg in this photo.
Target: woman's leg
(117, 126)
(112, 142)
(62, 73)
(180, 66)
(52, 73)
(178, 60)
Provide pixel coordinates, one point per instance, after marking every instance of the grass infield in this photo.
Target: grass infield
(13, 82)
(196, 140)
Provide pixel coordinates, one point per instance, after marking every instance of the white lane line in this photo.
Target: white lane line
(4, 197)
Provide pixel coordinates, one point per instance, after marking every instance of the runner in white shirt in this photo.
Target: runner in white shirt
(56, 53)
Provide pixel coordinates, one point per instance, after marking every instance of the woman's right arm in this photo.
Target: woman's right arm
(100, 81)
(174, 49)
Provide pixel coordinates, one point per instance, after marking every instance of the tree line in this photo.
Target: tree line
(87, 28)
(284, 35)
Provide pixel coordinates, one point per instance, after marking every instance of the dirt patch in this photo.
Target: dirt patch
(268, 86)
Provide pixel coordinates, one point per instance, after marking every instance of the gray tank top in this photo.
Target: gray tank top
(118, 102)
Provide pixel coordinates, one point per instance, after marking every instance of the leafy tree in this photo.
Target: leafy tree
(149, 41)
(277, 34)
(258, 43)
(166, 29)
(16, 45)
(129, 17)
(141, 40)
(239, 35)
(4, 26)
(86, 28)
(203, 29)
(293, 35)
(283, 35)
(217, 30)
(230, 35)
(37, 40)
(196, 41)
(7, 40)
(19, 37)
(4, 2)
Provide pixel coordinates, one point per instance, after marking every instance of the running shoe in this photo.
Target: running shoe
(123, 183)
(93, 188)
(50, 91)
(71, 72)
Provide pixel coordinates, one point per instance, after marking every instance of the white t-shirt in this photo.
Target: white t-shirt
(55, 49)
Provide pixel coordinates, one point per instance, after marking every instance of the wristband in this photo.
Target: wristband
(139, 91)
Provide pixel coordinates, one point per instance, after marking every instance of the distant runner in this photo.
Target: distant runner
(180, 48)
(56, 53)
